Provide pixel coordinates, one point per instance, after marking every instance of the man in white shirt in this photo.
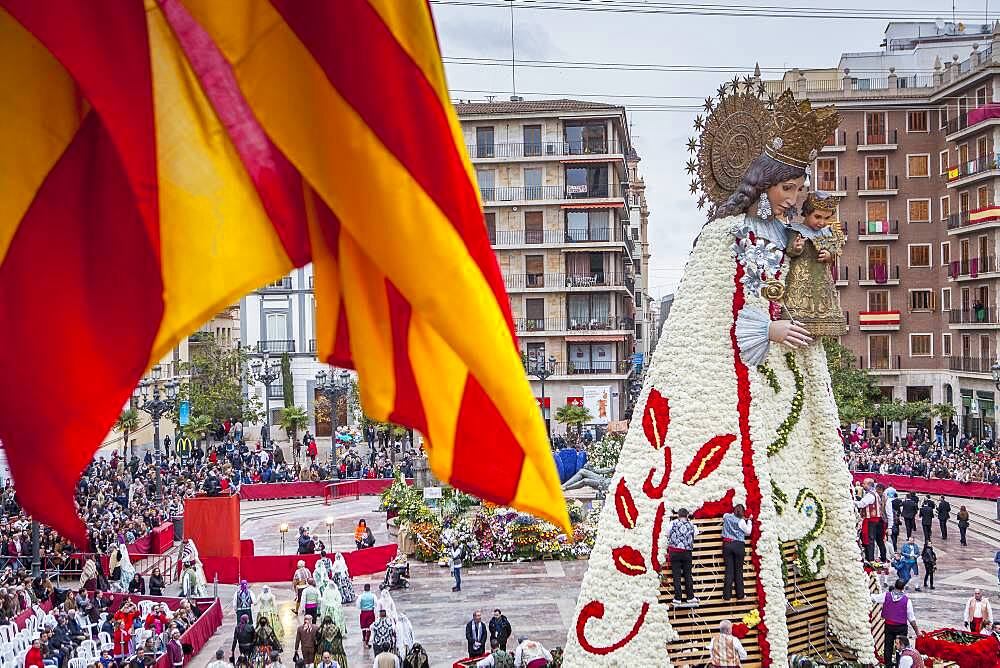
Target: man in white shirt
(726, 649)
(876, 514)
(220, 662)
(978, 612)
(530, 654)
(908, 657)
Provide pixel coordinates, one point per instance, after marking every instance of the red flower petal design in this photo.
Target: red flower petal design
(628, 560)
(625, 505)
(656, 418)
(716, 508)
(656, 491)
(595, 610)
(708, 458)
(740, 630)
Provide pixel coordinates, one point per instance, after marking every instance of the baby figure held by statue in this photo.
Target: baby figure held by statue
(810, 296)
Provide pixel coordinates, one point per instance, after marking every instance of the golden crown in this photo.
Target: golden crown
(799, 131)
(821, 201)
(743, 122)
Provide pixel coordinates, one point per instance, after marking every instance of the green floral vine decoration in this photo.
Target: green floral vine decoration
(772, 378)
(780, 498)
(809, 557)
(798, 398)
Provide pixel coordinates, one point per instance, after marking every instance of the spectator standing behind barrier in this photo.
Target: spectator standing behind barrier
(929, 557)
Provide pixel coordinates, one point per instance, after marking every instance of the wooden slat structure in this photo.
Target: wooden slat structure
(806, 611)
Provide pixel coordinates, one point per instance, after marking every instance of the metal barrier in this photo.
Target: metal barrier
(341, 490)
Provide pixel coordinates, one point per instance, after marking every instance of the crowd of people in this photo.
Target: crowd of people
(939, 453)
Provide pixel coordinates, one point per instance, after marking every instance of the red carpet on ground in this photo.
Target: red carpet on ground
(934, 486)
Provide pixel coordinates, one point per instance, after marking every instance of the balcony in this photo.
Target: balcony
(878, 274)
(973, 318)
(884, 141)
(988, 216)
(836, 143)
(971, 268)
(581, 325)
(985, 166)
(312, 345)
(878, 363)
(970, 364)
(878, 230)
(971, 119)
(878, 321)
(281, 285)
(594, 368)
(878, 187)
(547, 149)
(542, 193)
(841, 275)
(276, 346)
(275, 390)
(521, 281)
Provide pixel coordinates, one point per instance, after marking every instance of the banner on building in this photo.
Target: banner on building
(184, 413)
(597, 399)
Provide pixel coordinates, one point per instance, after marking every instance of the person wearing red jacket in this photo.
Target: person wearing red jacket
(120, 640)
(33, 659)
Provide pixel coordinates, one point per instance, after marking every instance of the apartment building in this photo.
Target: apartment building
(280, 318)
(915, 160)
(558, 198)
(645, 324)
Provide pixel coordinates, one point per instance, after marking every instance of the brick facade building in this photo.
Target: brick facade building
(916, 162)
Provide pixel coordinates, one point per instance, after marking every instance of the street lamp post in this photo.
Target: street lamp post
(157, 406)
(333, 386)
(540, 372)
(266, 371)
(36, 552)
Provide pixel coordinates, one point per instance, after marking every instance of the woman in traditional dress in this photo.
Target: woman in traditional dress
(342, 578)
(386, 603)
(189, 553)
(404, 634)
(268, 609)
(88, 576)
(126, 569)
(329, 607)
(267, 639)
(736, 408)
(330, 638)
(323, 572)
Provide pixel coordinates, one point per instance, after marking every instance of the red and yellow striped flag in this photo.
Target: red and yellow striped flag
(161, 158)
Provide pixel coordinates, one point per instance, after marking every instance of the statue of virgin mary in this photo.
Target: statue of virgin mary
(736, 410)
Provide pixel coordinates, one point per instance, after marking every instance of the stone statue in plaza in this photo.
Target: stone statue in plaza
(590, 476)
(736, 409)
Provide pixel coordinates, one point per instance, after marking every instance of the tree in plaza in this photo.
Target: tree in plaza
(292, 419)
(944, 411)
(127, 423)
(854, 389)
(574, 417)
(287, 383)
(199, 426)
(215, 389)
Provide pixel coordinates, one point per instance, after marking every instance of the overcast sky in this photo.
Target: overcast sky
(659, 135)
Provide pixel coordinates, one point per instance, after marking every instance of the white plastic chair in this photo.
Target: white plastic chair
(88, 649)
(80, 662)
(104, 640)
(145, 607)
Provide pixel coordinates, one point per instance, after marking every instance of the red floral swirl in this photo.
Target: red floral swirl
(716, 508)
(656, 491)
(654, 555)
(625, 505)
(595, 610)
